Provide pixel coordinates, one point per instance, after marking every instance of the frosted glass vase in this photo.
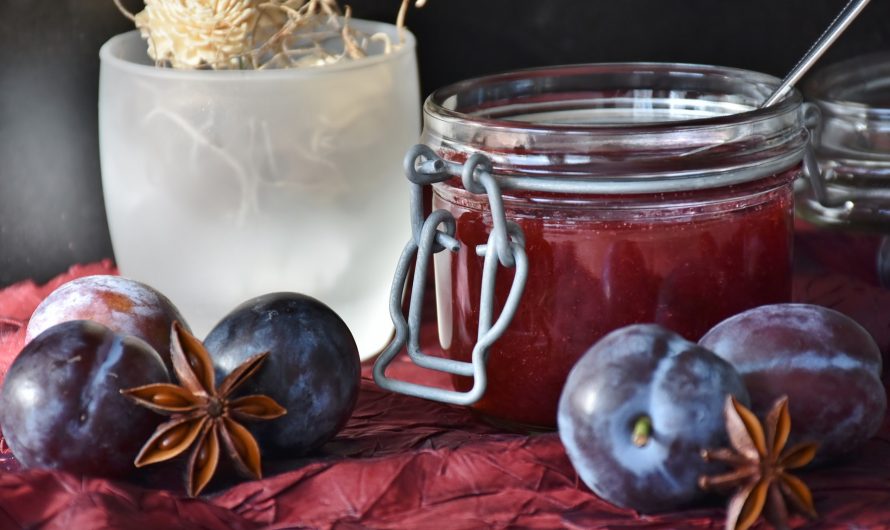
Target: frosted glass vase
(223, 185)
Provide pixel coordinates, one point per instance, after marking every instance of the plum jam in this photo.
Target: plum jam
(646, 193)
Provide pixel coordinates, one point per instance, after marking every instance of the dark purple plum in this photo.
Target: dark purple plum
(313, 368)
(61, 406)
(126, 306)
(636, 411)
(826, 363)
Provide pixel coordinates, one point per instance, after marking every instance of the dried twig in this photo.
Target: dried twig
(403, 12)
(124, 11)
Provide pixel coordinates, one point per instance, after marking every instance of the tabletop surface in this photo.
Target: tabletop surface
(403, 462)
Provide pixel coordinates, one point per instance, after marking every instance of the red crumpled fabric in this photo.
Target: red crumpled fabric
(403, 462)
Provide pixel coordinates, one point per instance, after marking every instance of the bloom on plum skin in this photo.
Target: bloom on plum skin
(826, 363)
(645, 376)
(125, 306)
(60, 405)
(313, 368)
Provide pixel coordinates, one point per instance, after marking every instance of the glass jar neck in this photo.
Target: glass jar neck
(634, 127)
(854, 99)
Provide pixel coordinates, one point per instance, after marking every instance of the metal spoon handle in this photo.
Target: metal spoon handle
(840, 23)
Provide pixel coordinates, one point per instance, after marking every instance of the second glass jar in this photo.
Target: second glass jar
(647, 193)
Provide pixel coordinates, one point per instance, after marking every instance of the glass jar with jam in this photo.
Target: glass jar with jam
(851, 192)
(644, 193)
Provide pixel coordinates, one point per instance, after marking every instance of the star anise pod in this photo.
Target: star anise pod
(203, 414)
(760, 465)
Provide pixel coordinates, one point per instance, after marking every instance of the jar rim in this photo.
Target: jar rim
(435, 102)
(848, 85)
(619, 127)
(118, 52)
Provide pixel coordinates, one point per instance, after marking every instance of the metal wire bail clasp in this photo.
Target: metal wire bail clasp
(505, 246)
(818, 179)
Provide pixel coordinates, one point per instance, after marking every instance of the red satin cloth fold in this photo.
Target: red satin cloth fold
(407, 463)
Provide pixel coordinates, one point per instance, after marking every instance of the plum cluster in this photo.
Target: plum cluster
(61, 405)
(639, 407)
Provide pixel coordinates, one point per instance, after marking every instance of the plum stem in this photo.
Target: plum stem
(642, 431)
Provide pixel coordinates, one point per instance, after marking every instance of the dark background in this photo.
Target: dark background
(51, 210)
